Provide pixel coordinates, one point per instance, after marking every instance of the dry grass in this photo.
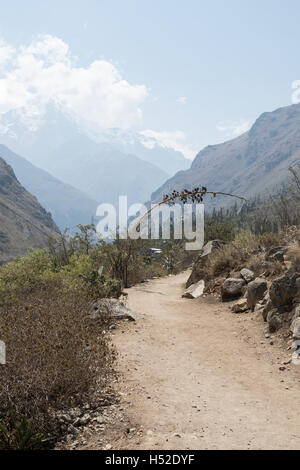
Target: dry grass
(224, 260)
(293, 255)
(56, 357)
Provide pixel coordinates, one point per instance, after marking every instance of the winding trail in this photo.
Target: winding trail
(196, 376)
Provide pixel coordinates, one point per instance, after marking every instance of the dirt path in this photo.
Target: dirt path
(196, 376)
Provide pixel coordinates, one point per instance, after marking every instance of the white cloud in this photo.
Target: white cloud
(175, 140)
(182, 100)
(45, 72)
(6, 52)
(96, 96)
(234, 128)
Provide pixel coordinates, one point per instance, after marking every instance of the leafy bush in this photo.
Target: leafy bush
(219, 230)
(23, 274)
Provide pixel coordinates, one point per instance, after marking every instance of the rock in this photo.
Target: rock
(285, 290)
(195, 290)
(295, 328)
(232, 288)
(235, 275)
(266, 299)
(198, 267)
(64, 418)
(113, 308)
(84, 420)
(247, 275)
(240, 306)
(296, 344)
(277, 251)
(296, 358)
(296, 312)
(278, 256)
(266, 309)
(72, 430)
(258, 307)
(266, 267)
(255, 292)
(275, 320)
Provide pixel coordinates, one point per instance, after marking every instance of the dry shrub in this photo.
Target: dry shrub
(269, 240)
(144, 271)
(56, 356)
(225, 259)
(293, 255)
(245, 241)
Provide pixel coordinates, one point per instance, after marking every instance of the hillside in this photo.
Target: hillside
(68, 205)
(256, 162)
(23, 221)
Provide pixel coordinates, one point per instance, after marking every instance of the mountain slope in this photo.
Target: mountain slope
(23, 221)
(67, 205)
(254, 163)
(103, 172)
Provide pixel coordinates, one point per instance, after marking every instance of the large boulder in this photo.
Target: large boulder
(232, 288)
(198, 268)
(195, 291)
(256, 291)
(295, 328)
(247, 275)
(114, 309)
(285, 290)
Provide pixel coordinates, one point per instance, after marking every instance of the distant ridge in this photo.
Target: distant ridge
(257, 162)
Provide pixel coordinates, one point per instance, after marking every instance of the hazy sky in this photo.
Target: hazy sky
(187, 72)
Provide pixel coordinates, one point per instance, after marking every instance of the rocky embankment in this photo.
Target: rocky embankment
(276, 297)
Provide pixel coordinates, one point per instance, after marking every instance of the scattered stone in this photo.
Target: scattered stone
(240, 306)
(256, 291)
(258, 307)
(296, 345)
(247, 275)
(84, 420)
(278, 256)
(113, 308)
(232, 288)
(296, 358)
(72, 430)
(295, 328)
(277, 253)
(195, 290)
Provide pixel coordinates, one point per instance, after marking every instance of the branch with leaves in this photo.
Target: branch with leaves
(195, 195)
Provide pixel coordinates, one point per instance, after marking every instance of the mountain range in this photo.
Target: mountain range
(255, 163)
(103, 164)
